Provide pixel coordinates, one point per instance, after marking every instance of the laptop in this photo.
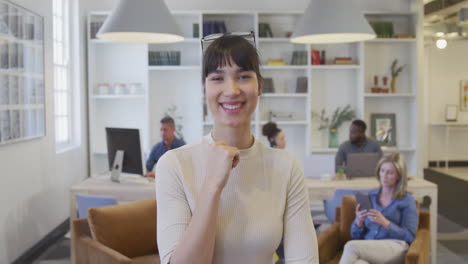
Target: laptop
(360, 165)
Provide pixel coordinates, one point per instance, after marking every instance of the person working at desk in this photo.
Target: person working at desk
(357, 143)
(169, 141)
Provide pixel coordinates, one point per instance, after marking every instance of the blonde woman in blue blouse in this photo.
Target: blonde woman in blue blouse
(383, 234)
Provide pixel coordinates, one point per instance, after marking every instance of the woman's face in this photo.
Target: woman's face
(232, 95)
(388, 175)
(280, 140)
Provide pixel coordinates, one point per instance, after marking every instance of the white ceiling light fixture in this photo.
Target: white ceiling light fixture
(332, 21)
(441, 43)
(141, 21)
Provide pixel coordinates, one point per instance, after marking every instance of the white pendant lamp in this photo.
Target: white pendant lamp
(332, 21)
(143, 21)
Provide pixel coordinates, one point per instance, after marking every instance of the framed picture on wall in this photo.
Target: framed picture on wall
(22, 104)
(383, 128)
(464, 96)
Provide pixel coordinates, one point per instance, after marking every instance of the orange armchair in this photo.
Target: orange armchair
(119, 234)
(332, 240)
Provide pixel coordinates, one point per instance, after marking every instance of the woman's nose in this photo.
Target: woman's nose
(232, 87)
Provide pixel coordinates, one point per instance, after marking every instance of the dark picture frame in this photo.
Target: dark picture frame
(383, 128)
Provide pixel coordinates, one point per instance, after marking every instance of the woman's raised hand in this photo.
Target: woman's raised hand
(221, 159)
(360, 216)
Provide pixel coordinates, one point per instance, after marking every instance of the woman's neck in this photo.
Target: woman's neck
(239, 137)
(387, 192)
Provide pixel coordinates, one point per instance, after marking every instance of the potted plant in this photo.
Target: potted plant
(340, 116)
(395, 72)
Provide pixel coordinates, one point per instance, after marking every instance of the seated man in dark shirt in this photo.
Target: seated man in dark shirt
(357, 143)
(168, 142)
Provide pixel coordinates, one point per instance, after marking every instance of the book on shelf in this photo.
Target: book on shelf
(299, 58)
(301, 84)
(212, 27)
(315, 57)
(343, 61)
(276, 62)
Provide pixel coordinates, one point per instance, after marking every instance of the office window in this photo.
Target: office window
(62, 86)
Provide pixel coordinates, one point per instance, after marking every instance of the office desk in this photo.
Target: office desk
(134, 188)
(324, 190)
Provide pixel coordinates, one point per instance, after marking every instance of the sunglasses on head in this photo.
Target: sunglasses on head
(207, 40)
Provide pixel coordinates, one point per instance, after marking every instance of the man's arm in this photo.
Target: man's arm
(340, 157)
(152, 159)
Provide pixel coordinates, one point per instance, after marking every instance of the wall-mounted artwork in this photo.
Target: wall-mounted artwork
(383, 128)
(464, 96)
(22, 105)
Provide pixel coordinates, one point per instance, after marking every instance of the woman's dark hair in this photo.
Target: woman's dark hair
(270, 130)
(231, 47)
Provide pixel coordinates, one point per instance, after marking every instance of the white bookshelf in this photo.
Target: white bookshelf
(328, 86)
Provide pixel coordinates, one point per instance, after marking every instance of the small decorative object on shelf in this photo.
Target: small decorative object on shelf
(376, 88)
(343, 60)
(211, 27)
(103, 88)
(280, 116)
(464, 96)
(322, 57)
(288, 34)
(299, 58)
(451, 113)
(385, 88)
(395, 72)
(383, 29)
(119, 88)
(135, 88)
(338, 118)
(301, 84)
(383, 128)
(268, 86)
(276, 62)
(264, 30)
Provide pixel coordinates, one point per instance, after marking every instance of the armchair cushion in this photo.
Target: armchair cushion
(126, 228)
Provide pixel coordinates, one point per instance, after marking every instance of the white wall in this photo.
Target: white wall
(34, 180)
(445, 69)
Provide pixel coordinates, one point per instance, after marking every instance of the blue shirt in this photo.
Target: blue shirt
(401, 213)
(369, 146)
(159, 149)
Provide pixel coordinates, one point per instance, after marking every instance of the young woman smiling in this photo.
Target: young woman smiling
(229, 198)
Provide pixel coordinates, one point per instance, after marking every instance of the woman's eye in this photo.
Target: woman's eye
(216, 78)
(244, 76)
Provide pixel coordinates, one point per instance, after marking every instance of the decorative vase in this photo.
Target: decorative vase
(393, 84)
(333, 138)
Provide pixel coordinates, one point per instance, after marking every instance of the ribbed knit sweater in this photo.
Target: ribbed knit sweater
(264, 199)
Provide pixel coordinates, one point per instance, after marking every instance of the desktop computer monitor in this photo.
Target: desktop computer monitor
(124, 151)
